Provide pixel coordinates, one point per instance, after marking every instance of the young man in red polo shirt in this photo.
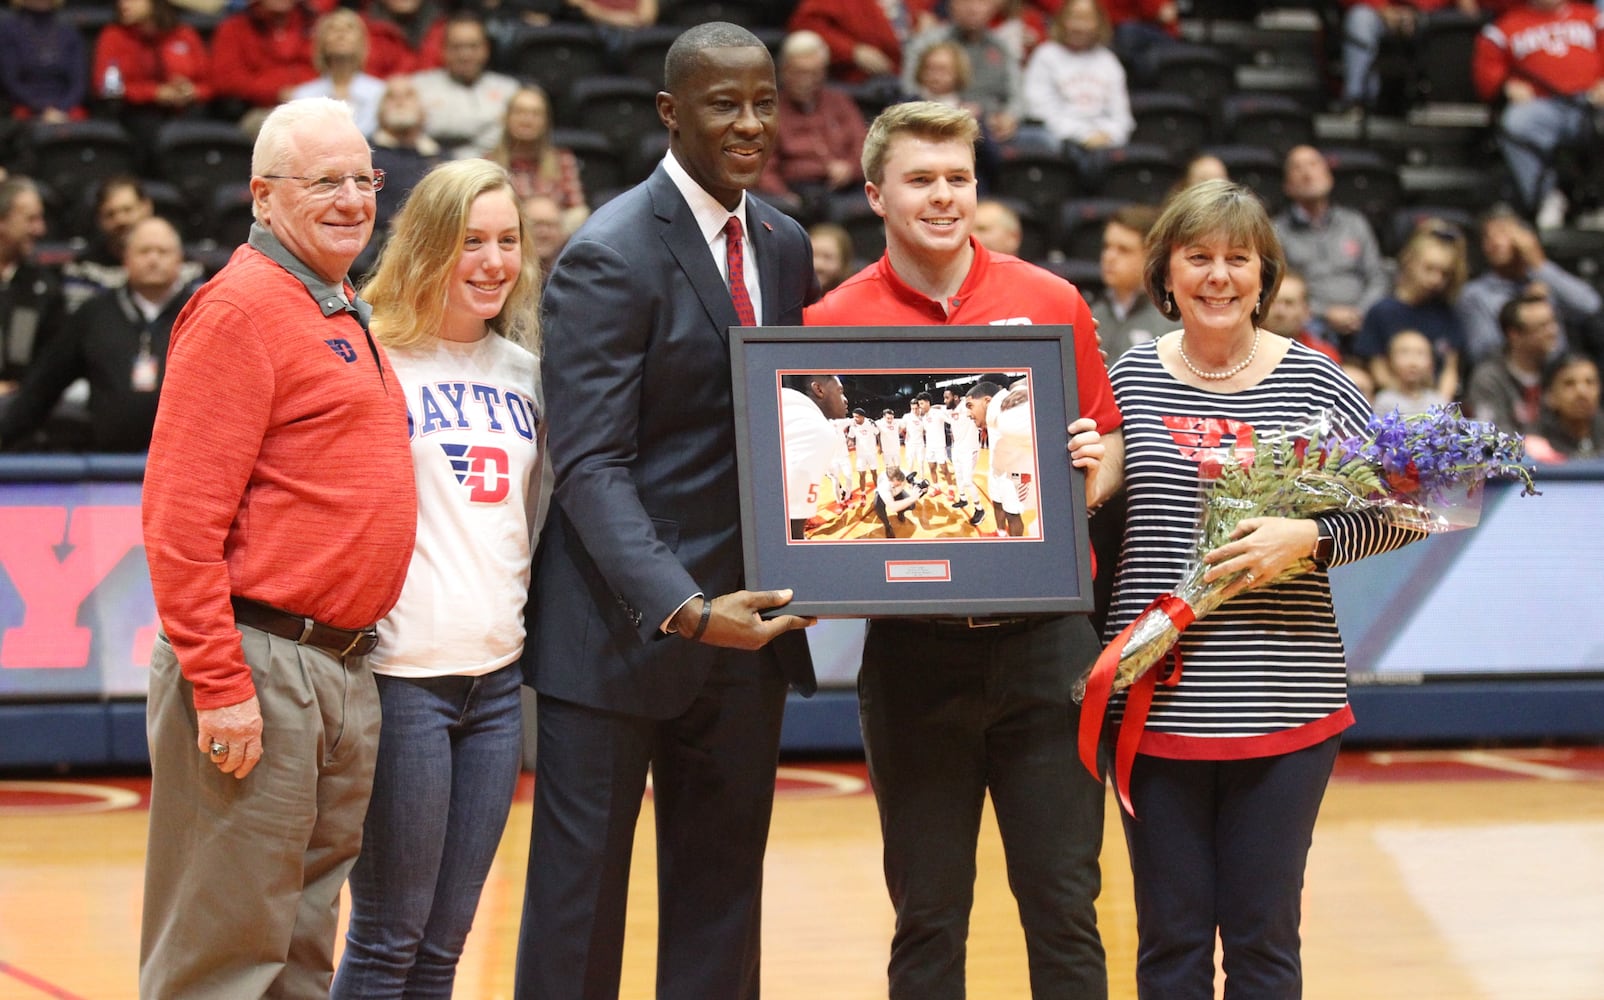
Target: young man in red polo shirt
(954, 708)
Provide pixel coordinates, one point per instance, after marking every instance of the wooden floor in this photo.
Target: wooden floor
(1434, 876)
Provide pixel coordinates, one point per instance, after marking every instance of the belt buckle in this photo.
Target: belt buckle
(973, 622)
(356, 640)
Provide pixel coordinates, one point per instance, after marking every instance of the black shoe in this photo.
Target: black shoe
(978, 516)
(960, 503)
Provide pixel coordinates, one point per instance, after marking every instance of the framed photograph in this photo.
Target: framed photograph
(919, 470)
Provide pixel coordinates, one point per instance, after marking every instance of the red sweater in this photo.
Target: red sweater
(844, 24)
(255, 59)
(1124, 11)
(147, 61)
(390, 52)
(1556, 51)
(279, 470)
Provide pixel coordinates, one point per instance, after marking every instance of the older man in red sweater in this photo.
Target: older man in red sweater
(279, 515)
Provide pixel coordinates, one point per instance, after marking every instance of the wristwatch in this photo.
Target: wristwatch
(1325, 547)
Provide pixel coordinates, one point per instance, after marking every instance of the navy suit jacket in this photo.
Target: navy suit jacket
(641, 433)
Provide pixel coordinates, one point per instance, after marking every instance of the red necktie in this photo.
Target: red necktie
(735, 256)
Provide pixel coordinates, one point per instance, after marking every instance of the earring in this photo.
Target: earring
(1169, 301)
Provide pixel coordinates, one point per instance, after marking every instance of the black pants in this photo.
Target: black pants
(1222, 845)
(948, 714)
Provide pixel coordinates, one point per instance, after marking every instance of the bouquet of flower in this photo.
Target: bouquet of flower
(1425, 471)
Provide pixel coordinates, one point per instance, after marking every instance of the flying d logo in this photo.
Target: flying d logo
(342, 348)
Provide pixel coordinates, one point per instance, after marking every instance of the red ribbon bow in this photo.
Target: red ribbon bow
(1100, 686)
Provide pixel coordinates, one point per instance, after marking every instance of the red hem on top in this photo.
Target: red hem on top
(1175, 747)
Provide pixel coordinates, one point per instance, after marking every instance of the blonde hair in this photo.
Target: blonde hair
(923, 119)
(962, 71)
(326, 23)
(408, 288)
(545, 155)
(1440, 232)
(1205, 210)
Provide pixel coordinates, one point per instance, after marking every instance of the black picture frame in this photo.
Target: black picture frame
(1046, 572)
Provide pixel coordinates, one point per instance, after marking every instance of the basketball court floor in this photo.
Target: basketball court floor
(1435, 875)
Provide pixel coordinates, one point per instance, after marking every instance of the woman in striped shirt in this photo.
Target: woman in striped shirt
(1235, 758)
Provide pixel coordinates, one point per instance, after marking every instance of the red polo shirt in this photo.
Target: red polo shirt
(999, 290)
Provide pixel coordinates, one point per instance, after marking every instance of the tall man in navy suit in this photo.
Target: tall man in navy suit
(643, 647)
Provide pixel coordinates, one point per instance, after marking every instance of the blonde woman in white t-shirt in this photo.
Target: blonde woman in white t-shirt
(455, 302)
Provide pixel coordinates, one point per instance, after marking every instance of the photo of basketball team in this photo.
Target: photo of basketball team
(908, 455)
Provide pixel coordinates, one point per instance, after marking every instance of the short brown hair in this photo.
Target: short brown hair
(924, 119)
(963, 71)
(1136, 217)
(1105, 27)
(1209, 209)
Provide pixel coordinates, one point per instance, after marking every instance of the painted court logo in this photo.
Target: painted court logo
(483, 470)
(342, 349)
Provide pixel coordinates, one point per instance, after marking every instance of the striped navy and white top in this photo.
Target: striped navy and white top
(1266, 673)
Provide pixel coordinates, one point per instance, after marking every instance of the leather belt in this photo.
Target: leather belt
(977, 627)
(339, 642)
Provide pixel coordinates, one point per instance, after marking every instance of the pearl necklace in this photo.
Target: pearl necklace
(1218, 376)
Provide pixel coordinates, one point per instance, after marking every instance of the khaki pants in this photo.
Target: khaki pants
(242, 878)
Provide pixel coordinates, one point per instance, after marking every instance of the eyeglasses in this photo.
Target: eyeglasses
(328, 187)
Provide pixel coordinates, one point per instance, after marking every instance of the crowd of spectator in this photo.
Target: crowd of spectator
(1058, 88)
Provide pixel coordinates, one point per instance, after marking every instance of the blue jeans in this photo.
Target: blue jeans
(1221, 845)
(1531, 132)
(449, 753)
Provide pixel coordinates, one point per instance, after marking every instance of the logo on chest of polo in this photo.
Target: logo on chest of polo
(342, 349)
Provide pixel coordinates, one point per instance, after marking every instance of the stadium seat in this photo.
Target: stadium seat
(70, 156)
(1367, 182)
(1035, 229)
(197, 155)
(556, 56)
(851, 211)
(645, 49)
(228, 216)
(1139, 172)
(1080, 226)
(1275, 121)
(1041, 177)
(1258, 168)
(1085, 275)
(1579, 251)
(1446, 43)
(622, 108)
(1204, 73)
(643, 157)
(1178, 122)
(600, 166)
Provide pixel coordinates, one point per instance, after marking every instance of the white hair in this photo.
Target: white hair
(272, 147)
(803, 43)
